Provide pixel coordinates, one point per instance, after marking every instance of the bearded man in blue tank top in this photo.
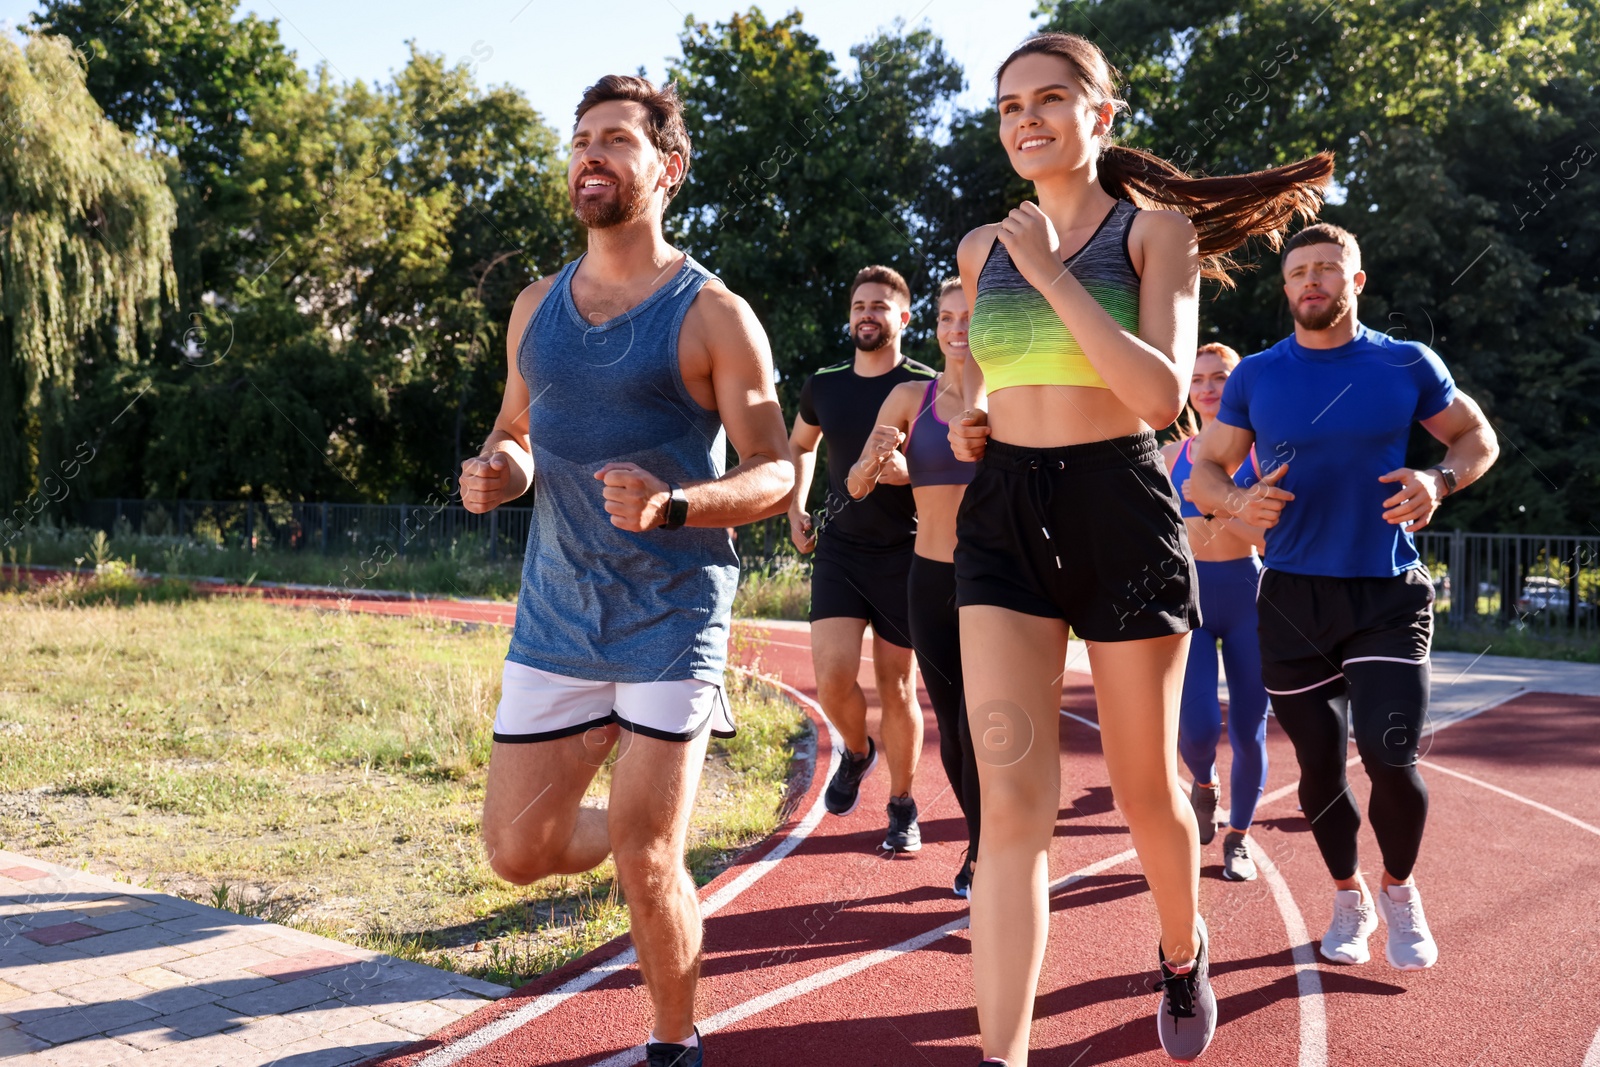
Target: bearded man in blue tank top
(626, 373)
(1346, 617)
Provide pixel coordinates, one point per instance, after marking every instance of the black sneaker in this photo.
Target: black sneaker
(1187, 1017)
(667, 1054)
(904, 834)
(844, 789)
(1237, 864)
(1204, 801)
(963, 882)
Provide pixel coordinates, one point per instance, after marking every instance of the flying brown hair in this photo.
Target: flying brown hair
(1227, 210)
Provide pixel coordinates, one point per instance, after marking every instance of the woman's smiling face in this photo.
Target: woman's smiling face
(1048, 122)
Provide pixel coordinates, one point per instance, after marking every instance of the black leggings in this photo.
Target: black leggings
(936, 636)
(1387, 702)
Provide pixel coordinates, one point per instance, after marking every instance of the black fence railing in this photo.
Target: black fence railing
(330, 529)
(1545, 583)
(1542, 582)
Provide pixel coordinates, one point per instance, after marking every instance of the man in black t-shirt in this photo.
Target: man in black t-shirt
(863, 553)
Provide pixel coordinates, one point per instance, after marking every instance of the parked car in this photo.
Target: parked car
(1550, 594)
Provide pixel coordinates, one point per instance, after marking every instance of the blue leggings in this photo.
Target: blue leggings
(1228, 605)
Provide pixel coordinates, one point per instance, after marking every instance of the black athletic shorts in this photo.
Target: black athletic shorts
(1311, 626)
(1087, 533)
(849, 583)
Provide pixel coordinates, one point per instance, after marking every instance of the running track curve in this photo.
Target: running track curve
(819, 949)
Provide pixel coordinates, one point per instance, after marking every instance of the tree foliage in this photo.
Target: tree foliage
(802, 175)
(85, 256)
(1468, 138)
(346, 256)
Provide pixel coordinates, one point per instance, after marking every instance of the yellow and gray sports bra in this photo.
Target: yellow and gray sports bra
(1016, 336)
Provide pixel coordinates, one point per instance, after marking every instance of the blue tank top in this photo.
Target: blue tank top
(1182, 466)
(929, 459)
(598, 602)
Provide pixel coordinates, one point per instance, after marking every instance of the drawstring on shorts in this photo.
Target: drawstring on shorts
(1039, 494)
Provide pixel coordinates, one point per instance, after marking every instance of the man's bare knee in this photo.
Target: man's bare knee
(836, 689)
(649, 872)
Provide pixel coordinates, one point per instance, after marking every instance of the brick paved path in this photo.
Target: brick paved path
(94, 972)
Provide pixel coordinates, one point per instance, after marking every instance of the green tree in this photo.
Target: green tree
(802, 175)
(85, 253)
(358, 340)
(1468, 139)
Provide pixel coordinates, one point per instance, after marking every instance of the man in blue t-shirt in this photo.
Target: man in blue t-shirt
(1346, 606)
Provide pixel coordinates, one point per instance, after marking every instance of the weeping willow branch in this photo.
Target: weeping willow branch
(86, 220)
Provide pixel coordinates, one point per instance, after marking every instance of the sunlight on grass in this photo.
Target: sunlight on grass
(322, 768)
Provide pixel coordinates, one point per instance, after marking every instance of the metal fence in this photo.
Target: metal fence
(1545, 583)
(407, 529)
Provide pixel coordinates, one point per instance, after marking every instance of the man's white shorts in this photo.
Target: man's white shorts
(537, 705)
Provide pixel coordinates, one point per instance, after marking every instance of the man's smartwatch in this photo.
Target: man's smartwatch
(1449, 477)
(677, 510)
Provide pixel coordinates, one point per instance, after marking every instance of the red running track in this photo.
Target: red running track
(821, 950)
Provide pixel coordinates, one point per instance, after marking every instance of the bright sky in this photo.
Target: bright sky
(552, 49)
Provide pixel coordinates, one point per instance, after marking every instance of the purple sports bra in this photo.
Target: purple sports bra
(929, 459)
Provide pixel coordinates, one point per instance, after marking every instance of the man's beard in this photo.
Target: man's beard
(1337, 306)
(885, 336)
(630, 203)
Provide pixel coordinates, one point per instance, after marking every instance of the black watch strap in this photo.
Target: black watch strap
(1449, 477)
(677, 510)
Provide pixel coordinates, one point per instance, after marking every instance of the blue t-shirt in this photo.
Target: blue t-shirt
(1340, 418)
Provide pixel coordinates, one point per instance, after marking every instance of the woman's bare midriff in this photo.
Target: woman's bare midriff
(1049, 416)
(1213, 542)
(936, 521)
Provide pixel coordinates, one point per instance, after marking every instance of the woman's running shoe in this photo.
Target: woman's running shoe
(1237, 863)
(1187, 1018)
(1354, 919)
(1411, 946)
(963, 882)
(1203, 798)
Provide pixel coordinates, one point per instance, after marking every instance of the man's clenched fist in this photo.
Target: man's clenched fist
(636, 500)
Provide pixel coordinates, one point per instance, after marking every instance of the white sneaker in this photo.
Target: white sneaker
(1411, 946)
(1354, 920)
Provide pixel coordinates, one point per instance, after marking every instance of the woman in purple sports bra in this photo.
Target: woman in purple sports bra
(912, 443)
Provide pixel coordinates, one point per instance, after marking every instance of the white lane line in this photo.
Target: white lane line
(1593, 1058)
(1308, 980)
(811, 983)
(505, 1024)
(1313, 1015)
(1547, 809)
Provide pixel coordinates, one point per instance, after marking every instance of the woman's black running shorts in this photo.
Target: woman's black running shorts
(1087, 533)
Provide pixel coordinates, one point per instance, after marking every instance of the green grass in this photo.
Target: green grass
(463, 569)
(322, 769)
(779, 591)
(1512, 640)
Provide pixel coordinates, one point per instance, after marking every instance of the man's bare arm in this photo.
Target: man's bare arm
(803, 442)
(1220, 448)
(503, 469)
(1470, 450)
(747, 400)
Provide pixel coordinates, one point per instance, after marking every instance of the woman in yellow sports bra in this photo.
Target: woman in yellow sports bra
(1083, 334)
